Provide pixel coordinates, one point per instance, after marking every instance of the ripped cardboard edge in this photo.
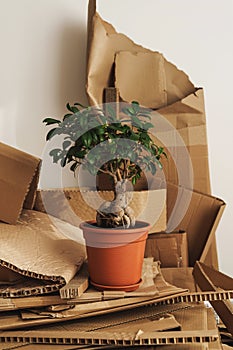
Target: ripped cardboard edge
(100, 68)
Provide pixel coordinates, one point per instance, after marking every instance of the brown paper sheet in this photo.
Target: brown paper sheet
(35, 248)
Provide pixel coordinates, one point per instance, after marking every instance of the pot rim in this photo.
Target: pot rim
(139, 226)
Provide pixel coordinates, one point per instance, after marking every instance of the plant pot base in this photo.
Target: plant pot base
(128, 288)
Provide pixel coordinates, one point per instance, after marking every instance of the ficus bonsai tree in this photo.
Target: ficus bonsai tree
(103, 141)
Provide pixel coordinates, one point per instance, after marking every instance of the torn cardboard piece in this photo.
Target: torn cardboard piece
(100, 73)
(19, 174)
(159, 244)
(213, 280)
(51, 257)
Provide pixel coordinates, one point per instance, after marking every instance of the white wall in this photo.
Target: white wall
(42, 66)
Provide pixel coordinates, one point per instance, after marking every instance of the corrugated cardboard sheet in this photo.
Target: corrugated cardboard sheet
(90, 303)
(210, 279)
(35, 248)
(198, 326)
(19, 173)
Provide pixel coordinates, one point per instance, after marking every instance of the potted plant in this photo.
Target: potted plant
(119, 145)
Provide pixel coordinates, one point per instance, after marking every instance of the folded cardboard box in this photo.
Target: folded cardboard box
(19, 174)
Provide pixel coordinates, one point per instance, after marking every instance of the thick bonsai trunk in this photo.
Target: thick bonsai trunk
(117, 213)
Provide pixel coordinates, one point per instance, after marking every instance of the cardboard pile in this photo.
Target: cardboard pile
(43, 273)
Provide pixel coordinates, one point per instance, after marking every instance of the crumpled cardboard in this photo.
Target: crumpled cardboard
(19, 174)
(35, 248)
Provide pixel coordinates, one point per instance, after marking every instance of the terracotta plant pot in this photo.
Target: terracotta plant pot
(115, 256)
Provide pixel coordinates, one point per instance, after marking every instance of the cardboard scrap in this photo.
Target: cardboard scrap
(77, 285)
(19, 174)
(159, 244)
(51, 257)
(100, 68)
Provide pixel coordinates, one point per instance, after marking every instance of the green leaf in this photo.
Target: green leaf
(66, 144)
(134, 180)
(72, 109)
(67, 116)
(137, 122)
(128, 111)
(87, 139)
(135, 106)
(50, 121)
(147, 126)
(50, 134)
(79, 104)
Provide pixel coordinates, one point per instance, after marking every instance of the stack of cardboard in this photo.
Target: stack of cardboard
(45, 299)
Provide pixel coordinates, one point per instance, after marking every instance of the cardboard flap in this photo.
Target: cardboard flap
(209, 279)
(19, 174)
(196, 213)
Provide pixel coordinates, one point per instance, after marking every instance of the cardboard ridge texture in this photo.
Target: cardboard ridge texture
(112, 330)
(210, 279)
(48, 248)
(19, 174)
